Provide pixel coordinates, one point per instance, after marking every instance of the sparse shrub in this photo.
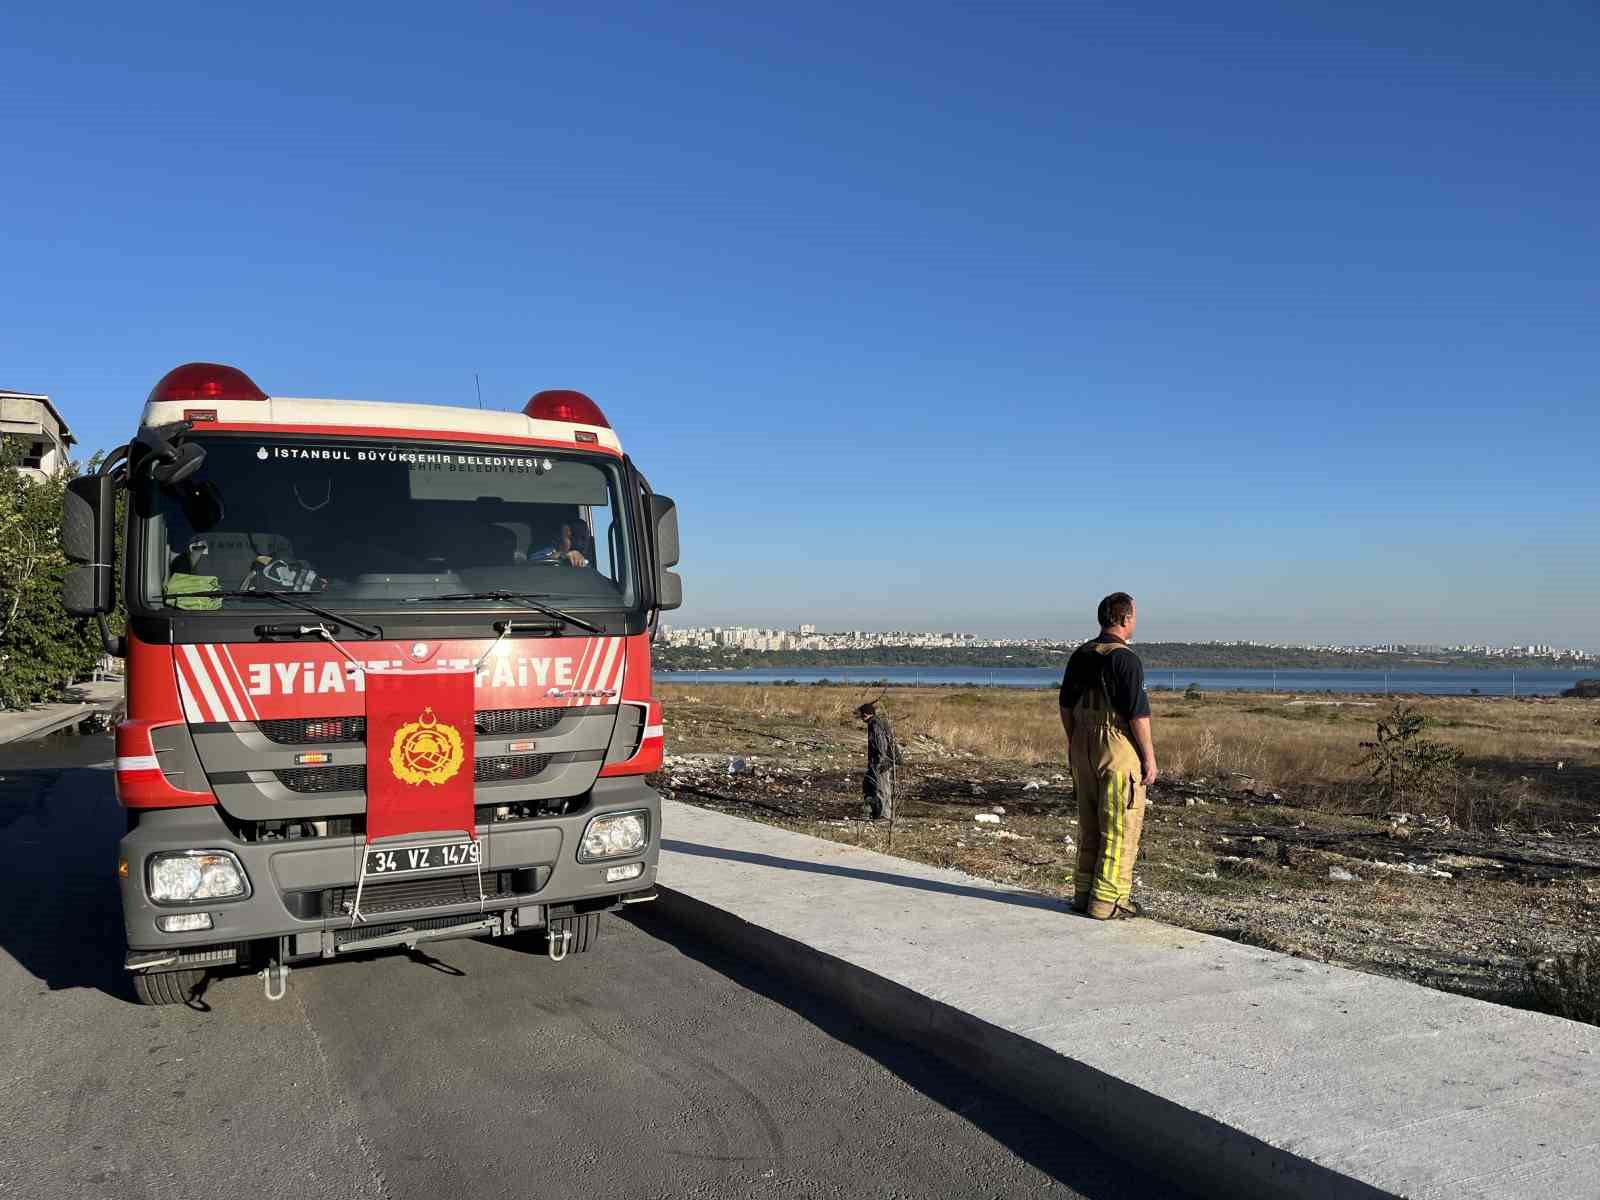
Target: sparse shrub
(1568, 985)
(1192, 692)
(1401, 762)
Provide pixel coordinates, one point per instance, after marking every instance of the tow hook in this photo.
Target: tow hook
(558, 944)
(275, 976)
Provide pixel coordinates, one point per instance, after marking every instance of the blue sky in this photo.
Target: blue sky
(1282, 317)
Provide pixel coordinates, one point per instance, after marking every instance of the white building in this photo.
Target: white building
(31, 423)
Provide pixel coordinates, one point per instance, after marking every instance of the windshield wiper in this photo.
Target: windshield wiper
(529, 599)
(288, 598)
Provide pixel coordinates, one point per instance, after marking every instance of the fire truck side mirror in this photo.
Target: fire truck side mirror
(87, 541)
(669, 590)
(669, 585)
(665, 514)
(86, 519)
(86, 591)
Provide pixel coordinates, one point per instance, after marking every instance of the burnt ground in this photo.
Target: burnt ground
(1430, 902)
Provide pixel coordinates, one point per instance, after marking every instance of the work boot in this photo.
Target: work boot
(1080, 902)
(1113, 910)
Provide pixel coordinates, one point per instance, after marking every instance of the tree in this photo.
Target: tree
(1402, 761)
(42, 649)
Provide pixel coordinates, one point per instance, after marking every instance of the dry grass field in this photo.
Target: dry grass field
(1461, 886)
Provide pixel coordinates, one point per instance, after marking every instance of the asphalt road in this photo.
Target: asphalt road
(654, 1066)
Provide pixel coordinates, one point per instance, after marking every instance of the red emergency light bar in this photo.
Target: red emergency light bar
(206, 381)
(561, 405)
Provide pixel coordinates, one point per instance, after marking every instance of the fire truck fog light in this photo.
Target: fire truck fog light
(195, 875)
(626, 871)
(614, 835)
(183, 922)
(520, 747)
(315, 759)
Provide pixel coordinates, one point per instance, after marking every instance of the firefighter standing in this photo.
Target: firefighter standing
(883, 756)
(1106, 714)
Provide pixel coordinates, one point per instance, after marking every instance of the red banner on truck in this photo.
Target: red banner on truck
(419, 753)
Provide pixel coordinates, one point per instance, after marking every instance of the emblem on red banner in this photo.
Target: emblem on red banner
(426, 751)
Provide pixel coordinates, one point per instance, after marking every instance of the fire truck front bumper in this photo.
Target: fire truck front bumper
(323, 895)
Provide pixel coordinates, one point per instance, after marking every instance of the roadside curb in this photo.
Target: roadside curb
(1193, 1151)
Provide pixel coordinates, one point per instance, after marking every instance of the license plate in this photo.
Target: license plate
(405, 859)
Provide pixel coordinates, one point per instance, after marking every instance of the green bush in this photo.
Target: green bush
(42, 649)
(1401, 762)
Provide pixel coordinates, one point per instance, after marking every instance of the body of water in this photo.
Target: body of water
(1431, 683)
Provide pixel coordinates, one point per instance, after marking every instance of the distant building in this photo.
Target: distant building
(32, 423)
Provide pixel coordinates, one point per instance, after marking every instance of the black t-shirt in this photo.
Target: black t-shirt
(1120, 672)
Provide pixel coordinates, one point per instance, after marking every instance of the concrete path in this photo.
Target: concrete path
(41, 720)
(1233, 1070)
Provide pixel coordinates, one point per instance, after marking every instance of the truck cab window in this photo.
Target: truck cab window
(368, 526)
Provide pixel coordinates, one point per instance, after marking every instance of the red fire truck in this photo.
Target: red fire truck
(388, 674)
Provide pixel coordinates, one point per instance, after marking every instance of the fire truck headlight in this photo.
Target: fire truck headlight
(195, 875)
(614, 835)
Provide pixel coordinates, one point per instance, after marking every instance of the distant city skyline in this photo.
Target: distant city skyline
(1159, 623)
(812, 636)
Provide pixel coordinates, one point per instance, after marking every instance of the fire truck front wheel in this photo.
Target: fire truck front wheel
(166, 987)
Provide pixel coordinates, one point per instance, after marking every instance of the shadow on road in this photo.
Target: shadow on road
(60, 911)
(1051, 1149)
(1021, 899)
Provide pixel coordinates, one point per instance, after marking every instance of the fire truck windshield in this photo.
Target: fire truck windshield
(366, 526)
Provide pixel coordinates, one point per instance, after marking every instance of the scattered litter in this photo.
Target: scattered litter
(1033, 785)
(1190, 802)
(1413, 868)
(738, 766)
(986, 819)
(1258, 839)
(1058, 779)
(976, 790)
(1340, 875)
(999, 808)
(1004, 835)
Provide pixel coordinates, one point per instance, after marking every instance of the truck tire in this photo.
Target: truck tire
(585, 930)
(167, 987)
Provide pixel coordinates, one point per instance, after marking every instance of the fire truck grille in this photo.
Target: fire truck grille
(502, 722)
(310, 732)
(315, 780)
(403, 894)
(494, 722)
(324, 779)
(511, 766)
